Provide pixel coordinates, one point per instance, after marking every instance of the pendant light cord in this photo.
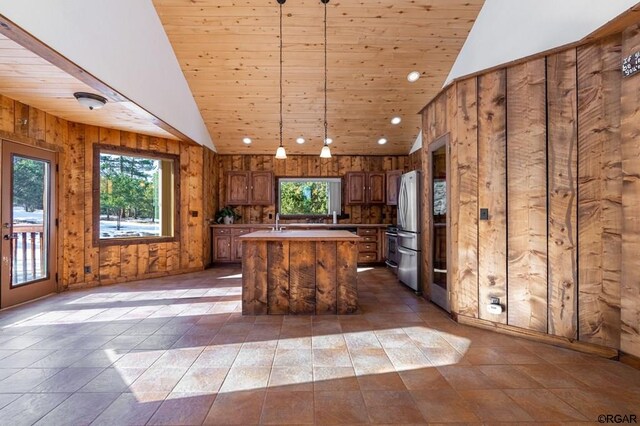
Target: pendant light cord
(325, 72)
(280, 74)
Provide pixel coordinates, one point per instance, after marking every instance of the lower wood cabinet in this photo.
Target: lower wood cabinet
(369, 248)
(227, 246)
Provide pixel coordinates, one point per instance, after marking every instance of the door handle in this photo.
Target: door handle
(9, 237)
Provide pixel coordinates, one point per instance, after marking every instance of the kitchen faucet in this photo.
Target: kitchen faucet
(277, 228)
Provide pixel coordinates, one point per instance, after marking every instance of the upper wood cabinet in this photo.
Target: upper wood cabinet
(249, 188)
(365, 188)
(356, 188)
(393, 186)
(238, 188)
(261, 188)
(375, 189)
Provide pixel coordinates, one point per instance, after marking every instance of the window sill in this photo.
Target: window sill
(134, 240)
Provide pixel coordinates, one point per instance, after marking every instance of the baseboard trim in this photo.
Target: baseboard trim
(537, 336)
(110, 281)
(630, 360)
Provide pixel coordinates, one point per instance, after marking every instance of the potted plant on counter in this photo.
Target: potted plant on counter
(227, 215)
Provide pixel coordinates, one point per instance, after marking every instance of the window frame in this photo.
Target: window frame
(309, 216)
(154, 155)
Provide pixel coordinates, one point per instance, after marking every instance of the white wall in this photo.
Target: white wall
(122, 43)
(507, 30)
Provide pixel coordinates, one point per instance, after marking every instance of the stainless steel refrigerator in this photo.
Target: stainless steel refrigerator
(409, 220)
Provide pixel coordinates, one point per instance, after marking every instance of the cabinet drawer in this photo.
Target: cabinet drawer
(370, 238)
(367, 231)
(367, 257)
(368, 247)
(221, 231)
(240, 231)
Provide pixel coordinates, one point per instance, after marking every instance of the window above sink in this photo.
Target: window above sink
(309, 197)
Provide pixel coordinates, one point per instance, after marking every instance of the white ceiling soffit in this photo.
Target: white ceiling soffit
(417, 144)
(508, 30)
(122, 43)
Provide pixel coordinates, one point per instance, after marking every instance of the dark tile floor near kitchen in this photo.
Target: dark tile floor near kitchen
(177, 350)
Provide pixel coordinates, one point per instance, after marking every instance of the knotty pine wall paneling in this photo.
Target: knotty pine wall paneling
(630, 130)
(312, 166)
(465, 244)
(527, 195)
(550, 146)
(74, 144)
(492, 185)
(599, 191)
(562, 172)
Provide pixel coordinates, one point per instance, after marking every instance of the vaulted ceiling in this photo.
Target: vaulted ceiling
(228, 51)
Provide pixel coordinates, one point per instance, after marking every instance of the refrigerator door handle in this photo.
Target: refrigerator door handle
(401, 204)
(391, 264)
(407, 252)
(406, 235)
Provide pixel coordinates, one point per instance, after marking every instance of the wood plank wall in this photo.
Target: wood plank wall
(527, 195)
(562, 171)
(74, 144)
(630, 129)
(599, 192)
(550, 147)
(311, 165)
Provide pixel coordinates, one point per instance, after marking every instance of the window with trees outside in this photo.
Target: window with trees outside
(137, 193)
(309, 196)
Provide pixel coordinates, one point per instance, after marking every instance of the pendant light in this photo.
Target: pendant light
(281, 154)
(326, 151)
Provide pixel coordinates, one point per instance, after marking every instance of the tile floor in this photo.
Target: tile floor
(177, 351)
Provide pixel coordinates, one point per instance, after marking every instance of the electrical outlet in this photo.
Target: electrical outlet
(87, 269)
(270, 215)
(484, 214)
(194, 213)
(495, 300)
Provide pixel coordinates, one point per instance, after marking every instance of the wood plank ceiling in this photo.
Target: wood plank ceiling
(228, 50)
(27, 78)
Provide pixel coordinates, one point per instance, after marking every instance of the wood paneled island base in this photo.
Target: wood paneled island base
(299, 272)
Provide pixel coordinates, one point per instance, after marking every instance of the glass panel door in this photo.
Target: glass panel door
(28, 252)
(439, 224)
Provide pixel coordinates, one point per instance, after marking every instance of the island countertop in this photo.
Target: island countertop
(302, 235)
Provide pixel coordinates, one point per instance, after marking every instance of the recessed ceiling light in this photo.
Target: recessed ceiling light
(329, 141)
(396, 120)
(300, 140)
(382, 141)
(246, 141)
(413, 76)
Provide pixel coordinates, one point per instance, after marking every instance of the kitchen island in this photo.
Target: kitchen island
(299, 272)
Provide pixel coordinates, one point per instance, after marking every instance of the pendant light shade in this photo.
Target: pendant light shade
(326, 151)
(281, 154)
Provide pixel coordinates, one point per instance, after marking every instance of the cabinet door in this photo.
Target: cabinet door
(238, 188)
(236, 246)
(261, 188)
(393, 185)
(375, 188)
(356, 188)
(222, 248)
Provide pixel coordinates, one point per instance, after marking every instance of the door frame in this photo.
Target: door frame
(10, 296)
(442, 299)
